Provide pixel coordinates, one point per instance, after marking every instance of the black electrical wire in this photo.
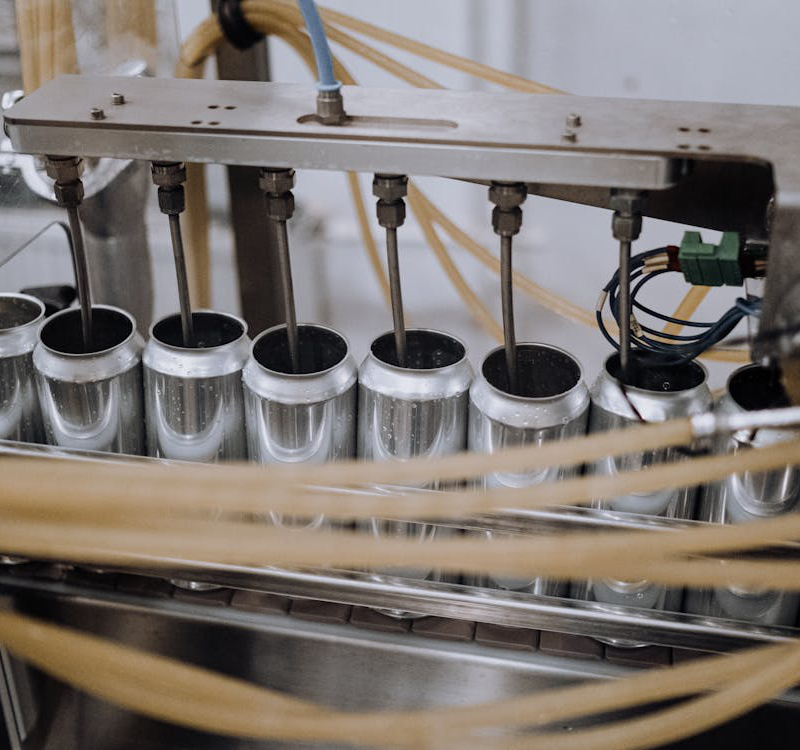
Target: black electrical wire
(676, 349)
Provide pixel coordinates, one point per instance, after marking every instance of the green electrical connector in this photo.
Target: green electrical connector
(706, 264)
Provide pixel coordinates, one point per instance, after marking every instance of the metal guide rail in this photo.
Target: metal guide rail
(453, 600)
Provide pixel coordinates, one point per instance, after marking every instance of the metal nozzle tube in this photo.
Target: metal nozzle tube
(507, 291)
(81, 275)
(624, 302)
(187, 323)
(288, 295)
(398, 318)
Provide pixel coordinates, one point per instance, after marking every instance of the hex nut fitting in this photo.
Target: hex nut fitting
(626, 227)
(506, 222)
(508, 195)
(171, 201)
(391, 215)
(276, 181)
(330, 107)
(168, 174)
(390, 187)
(627, 201)
(280, 207)
(68, 193)
(63, 168)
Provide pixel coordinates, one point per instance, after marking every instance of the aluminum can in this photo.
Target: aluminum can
(20, 415)
(417, 410)
(749, 496)
(552, 403)
(193, 396)
(300, 417)
(91, 400)
(660, 393)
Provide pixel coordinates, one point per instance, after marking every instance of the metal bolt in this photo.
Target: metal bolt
(573, 120)
(569, 135)
(97, 113)
(117, 98)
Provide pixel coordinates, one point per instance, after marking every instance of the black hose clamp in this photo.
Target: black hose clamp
(235, 26)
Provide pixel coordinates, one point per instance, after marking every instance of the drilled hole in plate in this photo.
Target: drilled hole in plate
(703, 147)
(684, 129)
(230, 106)
(213, 122)
(196, 122)
(703, 130)
(684, 146)
(213, 106)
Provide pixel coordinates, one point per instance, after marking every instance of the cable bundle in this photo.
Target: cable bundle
(667, 347)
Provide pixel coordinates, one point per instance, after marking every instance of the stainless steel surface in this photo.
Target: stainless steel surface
(507, 136)
(93, 400)
(193, 396)
(184, 302)
(552, 403)
(658, 394)
(418, 410)
(507, 299)
(20, 415)
(396, 291)
(744, 497)
(81, 276)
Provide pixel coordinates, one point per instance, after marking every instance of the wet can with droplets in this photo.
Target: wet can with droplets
(750, 496)
(308, 416)
(20, 415)
(91, 400)
(658, 393)
(551, 404)
(419, 410)
(193, 395)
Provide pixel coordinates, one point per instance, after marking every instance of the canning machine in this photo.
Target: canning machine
(199, 387)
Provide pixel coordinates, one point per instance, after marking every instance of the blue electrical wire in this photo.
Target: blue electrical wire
(680, 348)
(319, 41)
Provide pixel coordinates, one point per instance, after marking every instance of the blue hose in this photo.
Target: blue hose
(319, 41)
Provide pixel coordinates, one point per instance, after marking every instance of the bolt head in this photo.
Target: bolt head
(570, 136)
(506, 223)
(97, 113)
(64, 168)
(390, 187)
(168, 174)
(573, 120)
(508, 195)
(117, 99)
(276, 181)
(171, 200)
(280, 207)
(68, 193)
(391, 215)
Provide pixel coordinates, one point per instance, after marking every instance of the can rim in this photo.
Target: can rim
(198, 350)
(98, 352)
(397, 368)
(652, 391)
(739, 371)
(300, 375)
(534, 399)
(29, 323)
